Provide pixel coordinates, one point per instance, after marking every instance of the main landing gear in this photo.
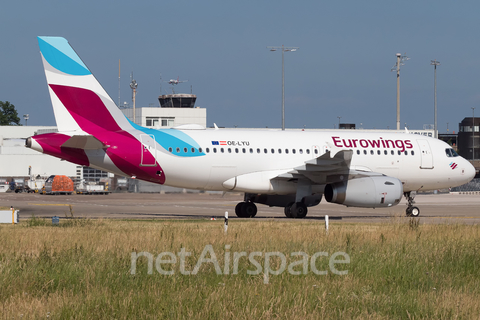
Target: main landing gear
(246, 209)
(296, 210)
(411, 211)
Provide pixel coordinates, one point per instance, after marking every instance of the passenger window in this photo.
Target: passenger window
(293, 151)
(392, 152)
(378, 152)
(178, 150)
(185, 150)
(265, 150)
(385, 152)
(364, 151)
(236, 150)
(200, 150)
(170, 149)
(286, 150)
(316, 151)
(308, 151)
(399, 152)
(251, 150)
(406, 152)
(214, 150)
(208, 150)
(221, 150)
(371, 152)
(243, 150)
(193, 150)
(300, 151)
(412, 153)
(358, 151)
(229, 150)
(279, 150)
(273, 151)
(258, 150)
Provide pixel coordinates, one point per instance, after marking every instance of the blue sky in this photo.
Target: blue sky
(342, 68)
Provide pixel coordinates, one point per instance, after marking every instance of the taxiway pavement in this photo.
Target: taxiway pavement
(434, 208)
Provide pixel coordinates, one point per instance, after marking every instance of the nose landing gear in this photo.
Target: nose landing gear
(411, 211)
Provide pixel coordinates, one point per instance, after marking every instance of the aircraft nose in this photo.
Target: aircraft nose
(470, 171)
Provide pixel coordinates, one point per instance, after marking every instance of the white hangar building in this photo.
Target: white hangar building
(18, 161)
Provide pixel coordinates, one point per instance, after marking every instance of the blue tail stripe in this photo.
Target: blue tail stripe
(60, 55)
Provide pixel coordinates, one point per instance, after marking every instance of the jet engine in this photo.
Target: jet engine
(366, 192)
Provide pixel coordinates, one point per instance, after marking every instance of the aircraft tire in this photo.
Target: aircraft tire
(298, 210)
(238, 209)
(407, 212)
(287, 210)
(249, 210)
(414, 212)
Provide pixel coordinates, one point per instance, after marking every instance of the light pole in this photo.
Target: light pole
(473, 133)
(283, 77)
(435, 63)
(26, 117)
(133, 86)
(339, 122)
(400, 62)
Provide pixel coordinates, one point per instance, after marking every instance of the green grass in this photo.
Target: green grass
(35, 222)
(401, 269)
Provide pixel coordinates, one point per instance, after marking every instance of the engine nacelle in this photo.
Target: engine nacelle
(367, 192)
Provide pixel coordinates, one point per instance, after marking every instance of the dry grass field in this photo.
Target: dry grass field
(81, 269)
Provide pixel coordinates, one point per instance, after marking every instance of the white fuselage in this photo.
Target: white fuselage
(421, 163)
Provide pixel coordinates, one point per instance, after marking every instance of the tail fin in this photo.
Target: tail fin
(79, 101)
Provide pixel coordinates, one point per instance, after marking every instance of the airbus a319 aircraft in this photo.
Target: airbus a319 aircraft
(289, 169)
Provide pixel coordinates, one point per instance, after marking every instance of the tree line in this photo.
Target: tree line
(8, 114)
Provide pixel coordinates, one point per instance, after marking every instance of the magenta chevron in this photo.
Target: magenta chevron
(124, 149)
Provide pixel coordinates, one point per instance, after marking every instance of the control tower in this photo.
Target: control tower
(177, 100)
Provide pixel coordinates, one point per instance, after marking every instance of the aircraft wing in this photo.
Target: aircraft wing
(327, 168)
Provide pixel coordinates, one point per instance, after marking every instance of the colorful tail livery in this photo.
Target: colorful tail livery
(293, 169)
(92, 130)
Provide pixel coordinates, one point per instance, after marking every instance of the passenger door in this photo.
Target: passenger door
(426, 154)
(149, 150)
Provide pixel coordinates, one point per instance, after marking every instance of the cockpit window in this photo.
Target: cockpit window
(451, 153)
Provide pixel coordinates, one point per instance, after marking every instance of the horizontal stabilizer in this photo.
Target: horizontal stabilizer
(84, 142)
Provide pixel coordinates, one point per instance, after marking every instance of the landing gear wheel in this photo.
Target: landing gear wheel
(238, 209)
(288, 211)
(411, 210)
(298, 210)
(246, 210)
(249, 209)
(414, 212)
